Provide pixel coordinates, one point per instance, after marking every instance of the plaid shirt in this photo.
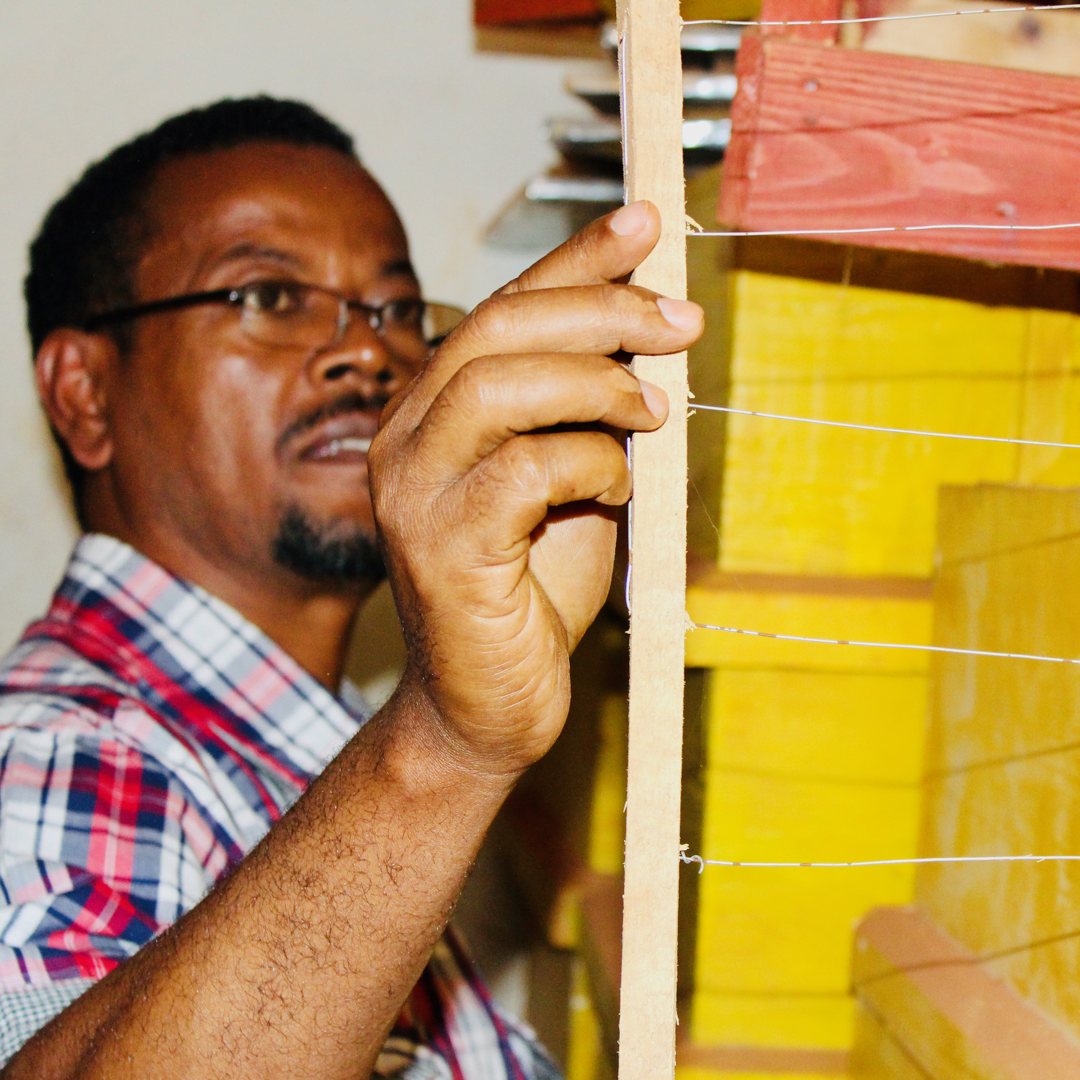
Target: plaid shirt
(149, 737)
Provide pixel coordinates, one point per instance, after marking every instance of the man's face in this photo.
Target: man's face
(235, 455)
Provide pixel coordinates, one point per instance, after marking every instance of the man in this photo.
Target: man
(221, 311)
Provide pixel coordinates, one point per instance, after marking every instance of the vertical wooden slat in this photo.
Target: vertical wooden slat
(650, 62)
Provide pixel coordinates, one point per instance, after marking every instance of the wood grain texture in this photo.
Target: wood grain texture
(1032, 40)
(649, 32)
(839, 138)
(950, 1014)
(1003, 766)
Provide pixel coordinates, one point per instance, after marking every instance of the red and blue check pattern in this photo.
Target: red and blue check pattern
(149, 737)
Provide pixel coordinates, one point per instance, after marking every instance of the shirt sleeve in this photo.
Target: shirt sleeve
(450, 1027)
(100, 850)
(102, 847)
(24, 1012)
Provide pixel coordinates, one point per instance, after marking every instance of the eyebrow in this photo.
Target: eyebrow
(398, 267)
(249, 250)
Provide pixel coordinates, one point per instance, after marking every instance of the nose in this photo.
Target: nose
(361, 355)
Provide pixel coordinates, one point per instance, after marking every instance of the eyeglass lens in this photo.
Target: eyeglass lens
(293, 315)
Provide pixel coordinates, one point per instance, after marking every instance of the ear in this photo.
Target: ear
(71, 371)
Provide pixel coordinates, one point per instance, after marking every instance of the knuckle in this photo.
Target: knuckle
(611, 299)
(619, 379)
(523, 466)
(606, 389)
(642, 301)
(626, 306)
(475, 386)
(516, 474)
(494, 321)
(380, 460)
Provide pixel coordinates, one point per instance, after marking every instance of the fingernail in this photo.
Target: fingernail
(684, 314)
(630, 219)
(656, 401)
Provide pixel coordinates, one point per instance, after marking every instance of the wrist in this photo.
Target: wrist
(426, 749)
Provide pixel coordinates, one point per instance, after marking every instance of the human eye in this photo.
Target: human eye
(405, 313)
(273, 297)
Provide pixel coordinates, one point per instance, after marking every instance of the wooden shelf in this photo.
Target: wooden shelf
(832, 137)
(943, 1006)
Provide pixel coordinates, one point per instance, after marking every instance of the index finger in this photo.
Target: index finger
(606, 250)
(590, 319)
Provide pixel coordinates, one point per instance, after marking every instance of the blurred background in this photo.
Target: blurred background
(451, 131)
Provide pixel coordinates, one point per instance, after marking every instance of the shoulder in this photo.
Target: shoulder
(67, 723)
(96, 794)
(45, 681)
(84, 754)
(65, 752)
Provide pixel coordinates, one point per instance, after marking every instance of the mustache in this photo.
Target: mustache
(352, 402)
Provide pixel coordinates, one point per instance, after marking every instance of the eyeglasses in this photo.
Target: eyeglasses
(296, 315)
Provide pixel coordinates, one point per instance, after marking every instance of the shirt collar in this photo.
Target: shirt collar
(205, 647)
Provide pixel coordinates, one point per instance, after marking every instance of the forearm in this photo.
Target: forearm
(306, 953)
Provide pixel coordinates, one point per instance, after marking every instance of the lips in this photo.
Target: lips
(338, 448)
(342, 440)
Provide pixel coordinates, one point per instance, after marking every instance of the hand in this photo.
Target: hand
(495, 477)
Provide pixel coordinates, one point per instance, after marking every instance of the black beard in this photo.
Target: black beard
(329, 554)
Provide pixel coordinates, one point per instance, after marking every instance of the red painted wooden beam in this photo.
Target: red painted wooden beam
(826, 137)
(499, 12)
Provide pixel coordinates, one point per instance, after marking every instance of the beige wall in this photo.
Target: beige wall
(451, 134)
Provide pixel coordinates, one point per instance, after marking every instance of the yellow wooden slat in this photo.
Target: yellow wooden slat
(786, 931)
(822, 1021)
(584, 1053)
(790, 328)
(899, 620)
(607, 818)
(830, 725)
(802, 498)
(1001, 908)
(1051, 399)
(1011, 558)
(760, 817)
(720, 9)
(1003, 762)
(977, 522)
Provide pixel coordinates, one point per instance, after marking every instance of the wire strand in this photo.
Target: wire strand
(883, 644)
(867, 229)
(694, 405)
(744, 864)
(880, 18)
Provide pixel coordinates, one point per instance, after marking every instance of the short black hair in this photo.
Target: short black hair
(82, 260)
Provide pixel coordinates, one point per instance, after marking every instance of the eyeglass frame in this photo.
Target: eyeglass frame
(233, 296)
